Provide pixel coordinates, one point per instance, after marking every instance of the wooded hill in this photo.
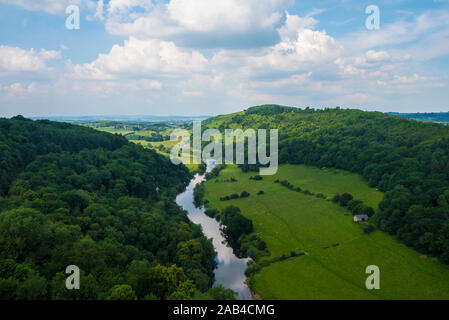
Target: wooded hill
(70, 195)
(406, 159)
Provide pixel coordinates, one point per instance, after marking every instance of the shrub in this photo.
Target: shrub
(236, 223)
(345, 198)
(368, 228)
(211, 212)
(244, 194)
(336, 198)
(260, 192)
(252, 268)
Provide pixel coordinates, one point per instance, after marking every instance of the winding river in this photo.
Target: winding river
(230, 271)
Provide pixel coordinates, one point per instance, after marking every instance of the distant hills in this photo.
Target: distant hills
(121, 118)
(441, 117)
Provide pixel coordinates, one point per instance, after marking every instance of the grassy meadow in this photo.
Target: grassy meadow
(114, 130)
(338, 250)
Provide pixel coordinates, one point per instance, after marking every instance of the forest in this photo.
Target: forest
(406, 159)
(71, 195)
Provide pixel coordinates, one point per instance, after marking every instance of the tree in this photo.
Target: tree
(236, 224)
(22, 231)
(122, 292)
(345, 198)
(185, 291)
(33, 288)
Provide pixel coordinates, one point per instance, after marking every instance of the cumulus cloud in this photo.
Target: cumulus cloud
(14, 59)
(212, 23)
(16, 89)
(300, 48)
(149, 58)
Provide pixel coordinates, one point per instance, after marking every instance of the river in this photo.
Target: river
(230, 271)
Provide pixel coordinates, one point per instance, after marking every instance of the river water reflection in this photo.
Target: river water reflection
(230, 271)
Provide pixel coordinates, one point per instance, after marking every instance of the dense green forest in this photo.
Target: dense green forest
(406, 159)
(70, 195)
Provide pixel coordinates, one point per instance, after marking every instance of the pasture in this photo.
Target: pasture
(338, 249)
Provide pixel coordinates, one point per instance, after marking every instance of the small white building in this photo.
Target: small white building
(361, 218)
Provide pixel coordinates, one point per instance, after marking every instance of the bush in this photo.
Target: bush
(368, 228)
(252, 268)
(236, 224)
(355, 206)
(336, 198)
(211, 212)
(345, 198)
(260, 192)
(244, 194)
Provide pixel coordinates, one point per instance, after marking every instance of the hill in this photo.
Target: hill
(71, 195)
(441, 117)
(407, 160)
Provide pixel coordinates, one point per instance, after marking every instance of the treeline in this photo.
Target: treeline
(242, 195)
(239, 232)
(154, 137)
(75, 196)
(406, 159)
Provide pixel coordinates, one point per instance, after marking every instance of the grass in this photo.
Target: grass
(114, 130)
(339, 251)
(167, 145)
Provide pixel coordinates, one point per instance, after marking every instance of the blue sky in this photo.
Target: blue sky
(207, 57)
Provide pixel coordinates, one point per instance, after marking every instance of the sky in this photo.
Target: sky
(209, 57)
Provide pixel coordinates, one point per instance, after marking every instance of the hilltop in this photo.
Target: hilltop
(406, 159)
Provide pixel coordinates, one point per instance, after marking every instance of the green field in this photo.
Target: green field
(114, 130)
(338, 249)
(167, 145)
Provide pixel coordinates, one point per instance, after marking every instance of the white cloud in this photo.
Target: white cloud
(14, 59)
(235, 15)
(295, 80)
(149, 58)
(377, 56)
(300, 48)
(50, 6)
(430, 30)
(214, 21)
(16, 89)
(294, 24)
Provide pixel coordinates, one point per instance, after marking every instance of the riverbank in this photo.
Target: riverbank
(230, 271)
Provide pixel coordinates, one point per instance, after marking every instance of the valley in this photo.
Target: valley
(338, 250)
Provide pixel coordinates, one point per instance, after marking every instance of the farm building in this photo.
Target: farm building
(360, 218)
